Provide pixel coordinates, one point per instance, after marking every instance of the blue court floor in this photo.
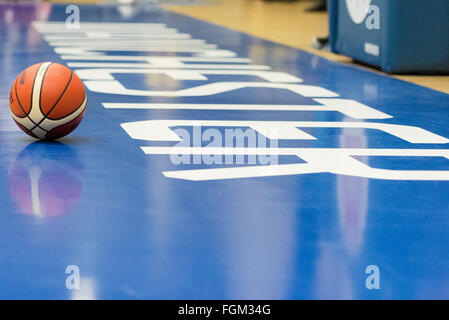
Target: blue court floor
(215, 165)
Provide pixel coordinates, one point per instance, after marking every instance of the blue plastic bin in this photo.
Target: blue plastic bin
(413, 36)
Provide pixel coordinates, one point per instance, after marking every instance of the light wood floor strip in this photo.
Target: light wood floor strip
(285, 23)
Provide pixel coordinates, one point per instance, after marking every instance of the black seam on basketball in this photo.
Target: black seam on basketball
(41, 129)
(32, 91)
(60, 97)
(77, 108)
(20, 105)
(27, 114)
(31, 133)
(25, 129)
(85, 99)
(67, 122)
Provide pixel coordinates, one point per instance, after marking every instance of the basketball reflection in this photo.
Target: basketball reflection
(46, 180)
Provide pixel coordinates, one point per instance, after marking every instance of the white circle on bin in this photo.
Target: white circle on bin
(358, 9)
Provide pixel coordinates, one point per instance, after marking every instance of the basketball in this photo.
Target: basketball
(47, 101)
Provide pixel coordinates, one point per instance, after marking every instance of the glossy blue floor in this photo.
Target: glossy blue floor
(215, 165)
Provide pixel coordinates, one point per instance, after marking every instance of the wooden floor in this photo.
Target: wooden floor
(282, 22)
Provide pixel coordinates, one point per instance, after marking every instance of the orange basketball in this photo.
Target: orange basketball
(47, 101)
